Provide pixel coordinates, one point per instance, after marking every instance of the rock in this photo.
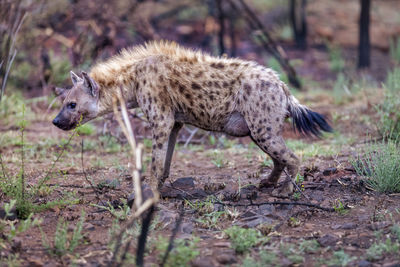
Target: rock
(16, 245)
(146, 192)
(186, 228)
(364, 263)
(248, 214)
(375, 226)
(35, 262)
(184, 183)
(266, 209)
(202, 262)
(167, 217)
(11, 217)
(346, 226)
(391, 264)
(213, 187)
(226, 257)
(254, 221)
(88, 227)
(329, 171)
(179, 193)
(328, 240)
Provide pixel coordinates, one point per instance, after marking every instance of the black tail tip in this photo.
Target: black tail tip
(308, 122)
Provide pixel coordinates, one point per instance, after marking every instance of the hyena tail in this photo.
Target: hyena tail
(305, 120)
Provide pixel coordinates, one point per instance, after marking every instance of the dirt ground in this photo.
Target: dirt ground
(216, 178)
(228, 169)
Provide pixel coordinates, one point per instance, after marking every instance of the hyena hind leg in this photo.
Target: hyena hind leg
(282, 157)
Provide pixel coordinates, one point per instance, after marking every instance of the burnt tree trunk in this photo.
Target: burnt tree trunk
(221, 21)
(299, 22)
(364, 47)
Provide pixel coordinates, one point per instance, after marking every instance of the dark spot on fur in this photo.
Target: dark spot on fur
(247, 88)
(273, 98)
(196, 86)
(217, 85)
(199, 74)
(218, 65)
(225, 84)
(262, 140)
(181, 88)
(275, 153)
(159, 145)
(259, 130)
(188, 96)
(268, 129)
(264, 106)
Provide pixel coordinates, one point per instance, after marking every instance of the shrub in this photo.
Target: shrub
(243, 239)
(380, 162)
(182, 253)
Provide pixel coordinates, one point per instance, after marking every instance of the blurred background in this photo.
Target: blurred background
(41, 41)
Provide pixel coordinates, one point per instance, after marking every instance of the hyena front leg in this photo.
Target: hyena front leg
(164, 138)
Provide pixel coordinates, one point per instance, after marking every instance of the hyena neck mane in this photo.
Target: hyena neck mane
(133, 67)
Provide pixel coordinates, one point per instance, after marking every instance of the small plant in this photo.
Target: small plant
(340, 258)
(380, 162)
(86, 129)
(243, 239)
(63, 242)
(395, 50)
(335, 55)
(182, 253)
(309, 246)
(377, 250)
(210, 220)
(267, 258)
(218, 159)
(291, 252)
(396, 231)
(14, 229)
(389, 110)
(339, 207)
(121, 213)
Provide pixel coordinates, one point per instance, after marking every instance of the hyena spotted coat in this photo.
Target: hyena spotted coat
(174, 86)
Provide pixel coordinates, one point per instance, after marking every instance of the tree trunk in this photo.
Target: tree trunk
(299, 22)
(364, 46)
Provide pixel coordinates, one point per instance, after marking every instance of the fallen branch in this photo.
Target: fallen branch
(278, 203)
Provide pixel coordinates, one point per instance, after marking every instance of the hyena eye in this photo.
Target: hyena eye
(71, 105)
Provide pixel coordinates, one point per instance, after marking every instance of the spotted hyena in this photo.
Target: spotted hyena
(174, 86)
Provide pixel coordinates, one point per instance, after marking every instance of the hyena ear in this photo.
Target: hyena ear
(61, 92)
(90, 84)
(75, 78)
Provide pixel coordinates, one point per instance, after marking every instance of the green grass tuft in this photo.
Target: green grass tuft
(380, 163)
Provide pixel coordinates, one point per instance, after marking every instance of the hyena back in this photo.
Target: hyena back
(174, 86)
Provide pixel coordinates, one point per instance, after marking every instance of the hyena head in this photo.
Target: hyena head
(80, 103)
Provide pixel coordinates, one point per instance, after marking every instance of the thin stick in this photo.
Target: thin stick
(143, 236)
(85, 175)
(173, 235)
(46, 177)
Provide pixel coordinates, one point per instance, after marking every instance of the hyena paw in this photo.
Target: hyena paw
(284, 191)
(266, 183)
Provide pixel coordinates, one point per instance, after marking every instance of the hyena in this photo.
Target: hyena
(175, 86)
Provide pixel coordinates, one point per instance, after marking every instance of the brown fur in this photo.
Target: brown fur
(173, 86)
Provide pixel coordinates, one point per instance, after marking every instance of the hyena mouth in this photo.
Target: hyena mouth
(66, 127)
